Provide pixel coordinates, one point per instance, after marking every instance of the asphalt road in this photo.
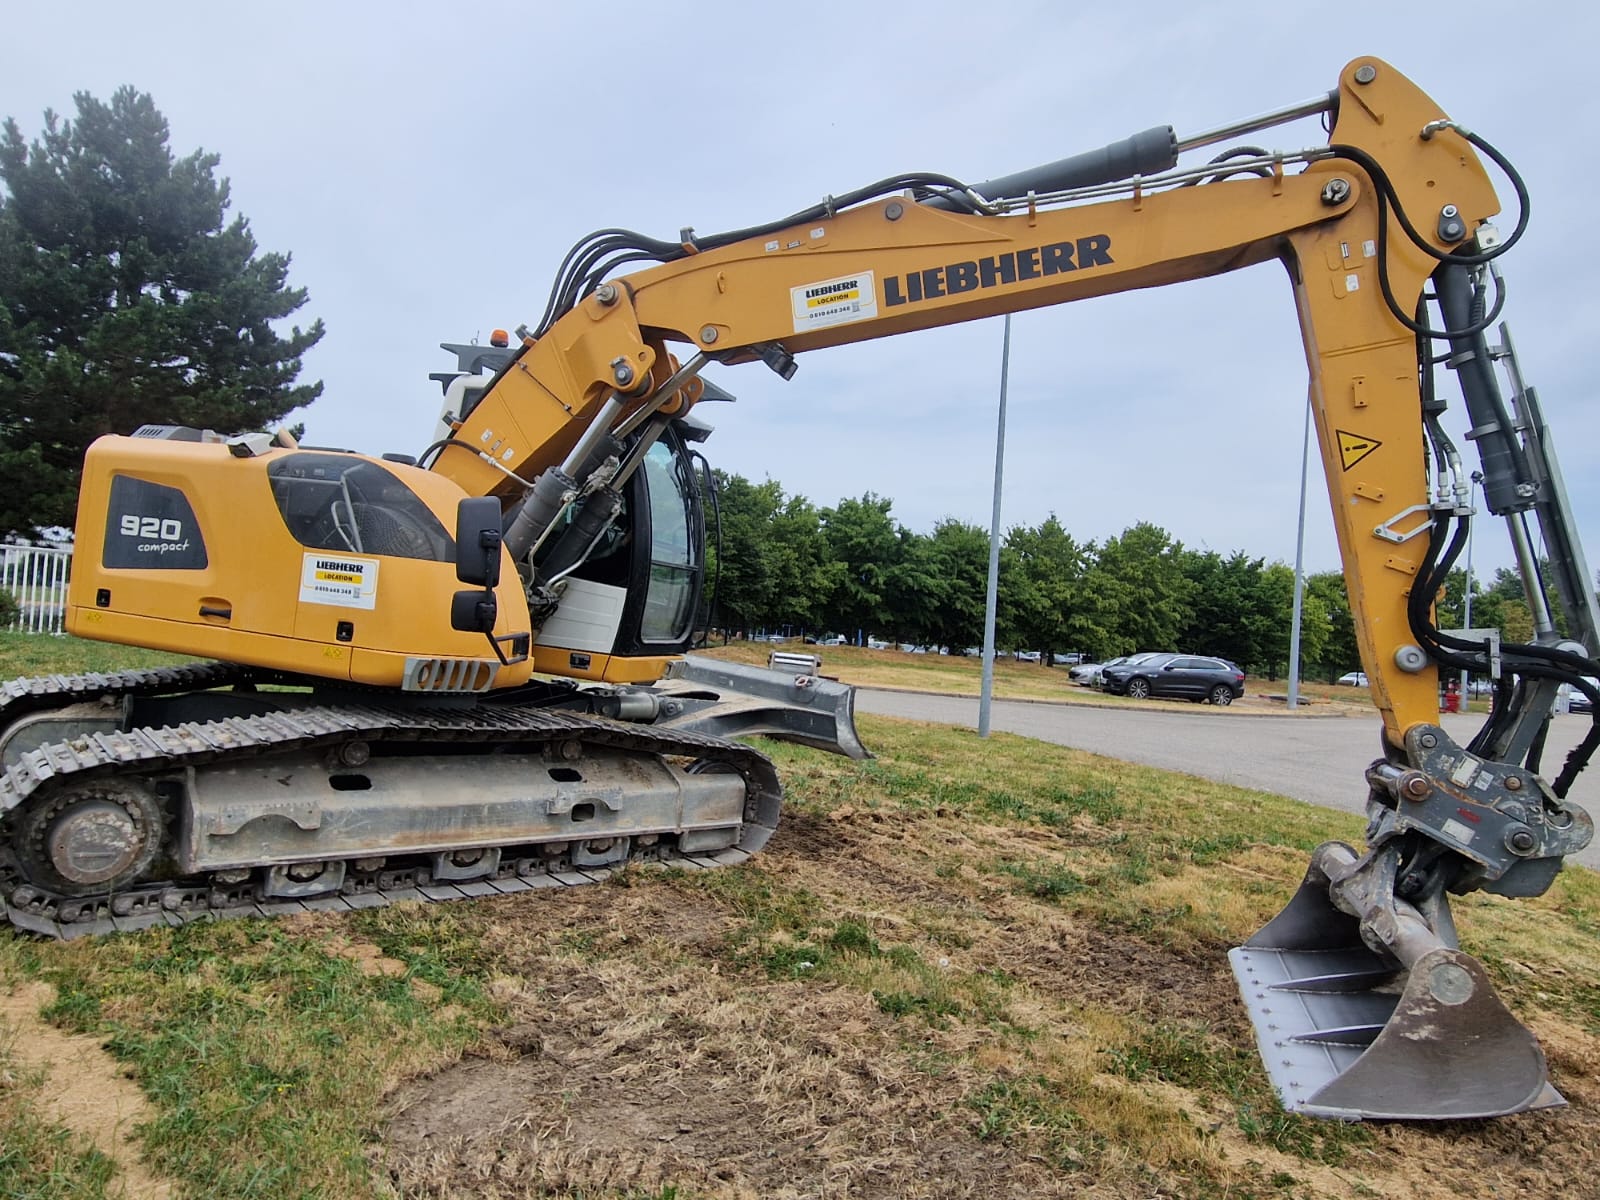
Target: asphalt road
(1319, 760)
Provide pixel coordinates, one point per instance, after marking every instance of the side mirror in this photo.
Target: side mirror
(477, 545)
(478, 562)
(473, 612)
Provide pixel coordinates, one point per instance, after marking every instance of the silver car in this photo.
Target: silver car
(1091, 674)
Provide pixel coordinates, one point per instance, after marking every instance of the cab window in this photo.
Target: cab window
(346, 504)
(674, 547)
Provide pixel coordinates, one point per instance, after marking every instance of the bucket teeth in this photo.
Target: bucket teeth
(1348, 1034)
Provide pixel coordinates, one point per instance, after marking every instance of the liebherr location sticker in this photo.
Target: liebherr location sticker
(834, 302)
(339, 579)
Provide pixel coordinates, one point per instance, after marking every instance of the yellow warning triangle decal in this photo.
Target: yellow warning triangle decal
(1353, 447)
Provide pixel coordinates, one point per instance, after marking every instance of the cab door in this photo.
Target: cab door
(655, 557)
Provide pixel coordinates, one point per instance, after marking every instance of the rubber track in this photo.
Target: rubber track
(158, 750)
(19, 697)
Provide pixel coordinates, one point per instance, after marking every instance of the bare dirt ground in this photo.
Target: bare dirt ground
(644, 1061)
(85, 1088)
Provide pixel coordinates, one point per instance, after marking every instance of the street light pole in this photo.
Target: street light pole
(1299, 573)
(992, 597)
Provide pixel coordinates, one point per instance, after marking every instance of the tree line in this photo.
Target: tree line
(127, 296)
(782, 563)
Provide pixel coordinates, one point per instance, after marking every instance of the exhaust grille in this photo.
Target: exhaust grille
(449, 675)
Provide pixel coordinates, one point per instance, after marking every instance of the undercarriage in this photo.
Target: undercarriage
(175, 794)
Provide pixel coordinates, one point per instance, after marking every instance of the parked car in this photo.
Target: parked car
(1098, 679)
(1353, 679)
(1579, 701)
(1182, 676)
(1028, 656)
(1087, 674)
(1084, 673)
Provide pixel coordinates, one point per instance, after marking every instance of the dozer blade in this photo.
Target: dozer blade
(729, 700)
(1349, 1035)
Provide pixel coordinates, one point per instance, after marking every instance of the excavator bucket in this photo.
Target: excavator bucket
(1347, 1035)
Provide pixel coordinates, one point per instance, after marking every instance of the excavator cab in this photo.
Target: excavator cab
(600, 623)
(658, 536)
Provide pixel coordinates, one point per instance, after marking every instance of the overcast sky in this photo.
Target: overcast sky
(429, 165)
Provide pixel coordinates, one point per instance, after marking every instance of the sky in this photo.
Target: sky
(427, 166)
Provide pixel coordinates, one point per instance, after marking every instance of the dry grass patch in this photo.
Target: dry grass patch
(744, 1039)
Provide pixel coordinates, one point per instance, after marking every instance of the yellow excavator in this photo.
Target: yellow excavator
(464, 674)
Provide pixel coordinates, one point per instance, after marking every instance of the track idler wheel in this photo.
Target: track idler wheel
(93, 839)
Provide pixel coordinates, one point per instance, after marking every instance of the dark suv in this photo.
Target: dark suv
(1184, 676)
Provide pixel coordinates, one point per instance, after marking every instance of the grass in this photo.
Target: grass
(263, 1050)
(37, 654)
(996, 963)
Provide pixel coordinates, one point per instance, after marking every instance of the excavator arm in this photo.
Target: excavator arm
(1364, 1004)
(894, 266)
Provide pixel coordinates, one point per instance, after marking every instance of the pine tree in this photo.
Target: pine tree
(125, 299)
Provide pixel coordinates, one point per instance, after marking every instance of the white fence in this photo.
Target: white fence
(37, 577)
